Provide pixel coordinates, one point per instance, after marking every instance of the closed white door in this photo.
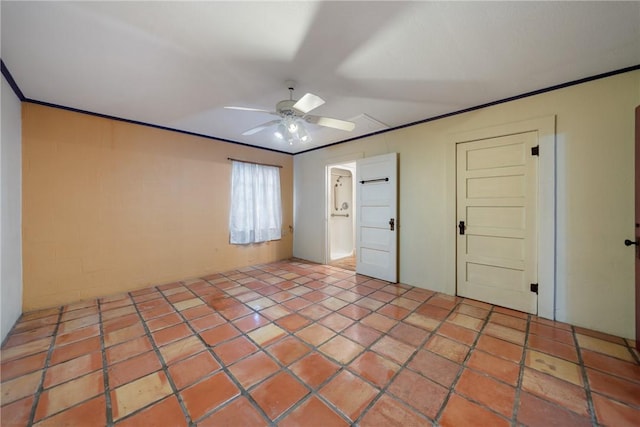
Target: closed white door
(376, 220)
(497, 224)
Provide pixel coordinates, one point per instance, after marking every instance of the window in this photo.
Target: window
(256, 208)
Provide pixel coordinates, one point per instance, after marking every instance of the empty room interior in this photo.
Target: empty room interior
(320, 213)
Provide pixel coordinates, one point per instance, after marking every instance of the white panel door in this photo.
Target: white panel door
(497, 224)
(376, 220)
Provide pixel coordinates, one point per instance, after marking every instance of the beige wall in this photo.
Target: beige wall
(595, 196)
(110, 206)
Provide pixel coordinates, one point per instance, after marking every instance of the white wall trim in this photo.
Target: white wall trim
(546, 129)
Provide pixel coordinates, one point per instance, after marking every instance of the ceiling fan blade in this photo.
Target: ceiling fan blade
(308, 102)
(259, 110)
(331, 123)
(260, 127)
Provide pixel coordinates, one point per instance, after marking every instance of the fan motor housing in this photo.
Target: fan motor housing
(285, 108)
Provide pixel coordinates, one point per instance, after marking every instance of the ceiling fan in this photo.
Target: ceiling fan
(293, 114)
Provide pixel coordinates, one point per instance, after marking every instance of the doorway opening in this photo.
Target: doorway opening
(341, 215)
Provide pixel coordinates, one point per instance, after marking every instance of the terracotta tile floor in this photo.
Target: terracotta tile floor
(299, 344)
(348, 263)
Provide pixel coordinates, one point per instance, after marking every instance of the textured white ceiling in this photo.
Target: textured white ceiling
(380, 64)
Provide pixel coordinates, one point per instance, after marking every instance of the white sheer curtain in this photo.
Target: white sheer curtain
(256, 208)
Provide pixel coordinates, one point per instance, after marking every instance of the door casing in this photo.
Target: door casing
(546, 129)
(637, 226)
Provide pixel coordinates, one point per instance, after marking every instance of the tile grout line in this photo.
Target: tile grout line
(523, 359)
(223, 366)
(342, 366)
(105, 367)
(163, 365)
(634, 356)
(421, 347)
(585, 379)
(334, 311)
(291, 333)
(312, 392)
(284, 368)
(314, 348)
(166, 298)
(40, 389)
(463, 366)
(405, 365)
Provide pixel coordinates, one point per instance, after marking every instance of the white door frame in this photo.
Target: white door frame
(334, 162)
(329, 208)
(546, 129)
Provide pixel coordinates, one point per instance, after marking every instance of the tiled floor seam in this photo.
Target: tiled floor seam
(312, 391)
(585, 379)
(246, 392)
(223, 366)
(634, 354)
(105, 367)
(40, 389)
(272, 275)
(383, 390)
(164, 368)
(523, 358)
(463, 366)
(311, 394)
(315, 392)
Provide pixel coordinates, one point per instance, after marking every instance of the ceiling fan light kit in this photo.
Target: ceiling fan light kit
(293, 115)
(292, 129)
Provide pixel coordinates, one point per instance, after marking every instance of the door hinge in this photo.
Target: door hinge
(534, 288)
(535, 151)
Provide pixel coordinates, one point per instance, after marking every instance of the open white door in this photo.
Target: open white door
(376, 220)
